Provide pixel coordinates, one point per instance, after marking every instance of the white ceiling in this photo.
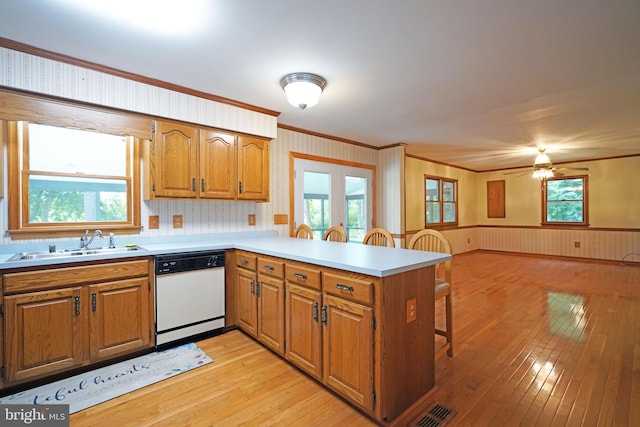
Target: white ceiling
(477, 84)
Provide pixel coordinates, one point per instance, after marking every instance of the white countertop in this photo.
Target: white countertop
(371, 260)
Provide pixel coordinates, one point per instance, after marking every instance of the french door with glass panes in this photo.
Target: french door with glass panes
(328, 194)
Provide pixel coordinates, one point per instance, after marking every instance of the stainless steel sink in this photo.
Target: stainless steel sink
(26, 256)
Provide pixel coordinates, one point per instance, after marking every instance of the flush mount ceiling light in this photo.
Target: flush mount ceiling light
(303, 89)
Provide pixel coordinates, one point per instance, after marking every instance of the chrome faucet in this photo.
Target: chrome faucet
(85, 241)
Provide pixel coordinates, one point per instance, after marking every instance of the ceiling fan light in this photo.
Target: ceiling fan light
(303, 89)
(542, 174)
(542, 159)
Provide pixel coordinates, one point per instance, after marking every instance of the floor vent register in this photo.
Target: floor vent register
(436, 415)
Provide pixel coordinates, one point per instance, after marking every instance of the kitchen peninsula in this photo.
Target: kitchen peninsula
(359, 319)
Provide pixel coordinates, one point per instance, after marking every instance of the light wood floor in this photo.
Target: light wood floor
(537, 342)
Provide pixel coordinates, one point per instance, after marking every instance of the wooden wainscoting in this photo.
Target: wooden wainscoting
(537, 341)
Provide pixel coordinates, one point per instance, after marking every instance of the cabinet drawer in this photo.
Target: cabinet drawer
(303, 275)
(67, 276)
(348, 288)
(271, 266)
(246, 260)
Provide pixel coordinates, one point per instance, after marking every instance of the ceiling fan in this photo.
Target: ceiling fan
(543, 168)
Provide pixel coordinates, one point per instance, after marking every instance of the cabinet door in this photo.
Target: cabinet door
(270, 298)
(303, 332)
(43, 332)
(348, 349)
(253, 168)
(217, 165)
(176, 160)
(247, 304)
(119, 317)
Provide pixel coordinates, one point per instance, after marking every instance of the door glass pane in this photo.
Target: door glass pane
(316, 202)
(356, 212)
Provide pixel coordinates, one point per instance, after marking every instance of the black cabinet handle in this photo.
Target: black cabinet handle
(193, 184)
(253, 288)
(76, 303)
(300, 276)
(324, 315)
(268, 267)
(93, 302)
(345, 287)
(258, 289)
(202, 185)
(315, 312)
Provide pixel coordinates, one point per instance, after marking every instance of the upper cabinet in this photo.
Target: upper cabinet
(183, 161)
(253, 168)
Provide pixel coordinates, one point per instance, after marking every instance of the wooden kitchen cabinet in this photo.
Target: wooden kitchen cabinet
(253, 168)
(119, 318)
(351, 331)
(44, 332)
(175, 161)
(261, 299)
(61, 318)
(218, 167)
(270, 296)
(185, 161)
(302, 318)
(247, 304)
(348, 349)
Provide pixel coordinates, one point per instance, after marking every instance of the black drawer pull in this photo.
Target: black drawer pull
(300, 276)
(345, 287)
(76, 303)
(244, 261)
(268, 267)
(315, 312)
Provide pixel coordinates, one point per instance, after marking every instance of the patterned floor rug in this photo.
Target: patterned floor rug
(97, 386)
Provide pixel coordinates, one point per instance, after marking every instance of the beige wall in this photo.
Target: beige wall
(415, 170)
(614, 195)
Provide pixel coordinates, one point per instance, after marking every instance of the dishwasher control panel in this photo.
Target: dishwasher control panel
(176, 263)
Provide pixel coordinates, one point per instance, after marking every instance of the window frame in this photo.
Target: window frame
(19, 225)
(585, 202)
(441, 202)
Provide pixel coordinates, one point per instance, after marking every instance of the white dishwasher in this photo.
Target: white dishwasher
(190, 297)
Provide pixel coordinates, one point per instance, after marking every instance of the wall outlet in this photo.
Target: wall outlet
(154, 221)
(177, 221)
(252, 219)
(411, 310)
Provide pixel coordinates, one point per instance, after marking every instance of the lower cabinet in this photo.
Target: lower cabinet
(44, 332)
(119, 318)
(348, 326)
(92, 313)
(303, 318)
(328, 333)
(260, 293)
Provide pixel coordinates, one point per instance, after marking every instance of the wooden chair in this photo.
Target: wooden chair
(434, 241)
(303, 231)
(335, 234)
(378, 237)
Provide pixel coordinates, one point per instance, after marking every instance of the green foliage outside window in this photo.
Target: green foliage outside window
(565, 200)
